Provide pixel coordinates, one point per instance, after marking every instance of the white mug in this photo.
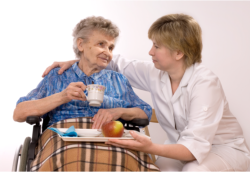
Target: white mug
(95, 94)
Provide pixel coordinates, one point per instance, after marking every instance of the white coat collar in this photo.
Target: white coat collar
(167, 90)
(167, 93)
(184, 82)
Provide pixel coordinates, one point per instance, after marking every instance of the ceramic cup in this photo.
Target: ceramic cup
(95, 94)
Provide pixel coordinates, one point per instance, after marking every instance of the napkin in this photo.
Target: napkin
(69, 133)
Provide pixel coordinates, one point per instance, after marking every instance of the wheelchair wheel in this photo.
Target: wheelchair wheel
(24, 154)
(16, 157)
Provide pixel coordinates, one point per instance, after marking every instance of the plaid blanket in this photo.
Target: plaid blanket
(54, 154)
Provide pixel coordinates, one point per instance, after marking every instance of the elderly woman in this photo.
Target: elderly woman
(62, 98)
(190, 104)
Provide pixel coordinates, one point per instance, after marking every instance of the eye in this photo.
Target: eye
(154, 44)
(111, 48)
(101, 43)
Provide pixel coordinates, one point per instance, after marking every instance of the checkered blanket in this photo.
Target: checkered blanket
(54, 154)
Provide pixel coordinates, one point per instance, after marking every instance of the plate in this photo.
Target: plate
(88, 132)
(98, 138)
(84, 132)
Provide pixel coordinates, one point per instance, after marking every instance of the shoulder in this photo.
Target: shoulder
(112, 74)
(204, 87)
(53, 74)
(203, 76)
(203, 73)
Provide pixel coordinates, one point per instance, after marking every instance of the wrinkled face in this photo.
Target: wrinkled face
(97, 51)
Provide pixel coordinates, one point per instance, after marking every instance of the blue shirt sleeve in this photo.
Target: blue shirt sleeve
(135, 101)
(38, 93)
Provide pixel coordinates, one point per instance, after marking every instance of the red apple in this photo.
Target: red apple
(112, 129)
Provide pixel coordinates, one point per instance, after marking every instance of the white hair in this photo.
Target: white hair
(87, 25)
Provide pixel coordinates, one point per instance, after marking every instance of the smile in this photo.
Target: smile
(104, 59)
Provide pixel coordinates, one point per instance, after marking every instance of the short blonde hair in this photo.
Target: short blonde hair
(178, 32)
(84, 28)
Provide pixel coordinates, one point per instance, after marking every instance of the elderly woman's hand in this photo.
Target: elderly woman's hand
(63, 66)
(104, 115)
(74, 91)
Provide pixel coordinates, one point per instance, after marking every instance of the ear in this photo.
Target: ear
(80, 44)
(179, 55)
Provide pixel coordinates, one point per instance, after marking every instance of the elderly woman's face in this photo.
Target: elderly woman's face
(97, 51)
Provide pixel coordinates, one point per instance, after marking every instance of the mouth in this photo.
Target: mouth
(104, 59)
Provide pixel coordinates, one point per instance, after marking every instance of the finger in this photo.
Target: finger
(94, 118)
(43, 75)
(62, 69)
(82, 95)
(48, 69)
(95, 121)
(76, 94)
(99, 120)
(79, 84)
(94, 126)
(122, 143)
(138, 138)
(77, 91)
(84, 98)
(117, 141)
(105, 118)
(102, 120)
(79, 99)
(83, 87)
(130, 143)
(72, 97)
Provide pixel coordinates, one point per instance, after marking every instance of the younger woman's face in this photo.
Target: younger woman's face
(162, 57)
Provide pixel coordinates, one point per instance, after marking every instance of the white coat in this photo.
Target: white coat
(196, 116)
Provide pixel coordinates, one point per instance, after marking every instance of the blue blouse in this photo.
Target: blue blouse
(118, 93)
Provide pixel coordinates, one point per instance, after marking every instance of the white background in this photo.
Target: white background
(34, 34)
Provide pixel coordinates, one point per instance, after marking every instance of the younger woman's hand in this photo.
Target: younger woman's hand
(62, 65)
(141, 143)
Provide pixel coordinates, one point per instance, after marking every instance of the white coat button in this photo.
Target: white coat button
(204, 109)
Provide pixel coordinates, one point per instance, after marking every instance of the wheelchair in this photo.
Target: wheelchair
(26, 153)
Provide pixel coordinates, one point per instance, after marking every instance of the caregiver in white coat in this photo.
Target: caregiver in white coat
(190, 105)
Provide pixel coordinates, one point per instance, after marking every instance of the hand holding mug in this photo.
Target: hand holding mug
(74, 91)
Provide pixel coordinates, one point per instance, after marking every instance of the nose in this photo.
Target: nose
(108, 53)
(151, 52)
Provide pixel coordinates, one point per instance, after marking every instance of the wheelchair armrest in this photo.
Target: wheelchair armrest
(36, 128)
(33, 120)
(139, 122)
(35, 136)
(135, 124)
